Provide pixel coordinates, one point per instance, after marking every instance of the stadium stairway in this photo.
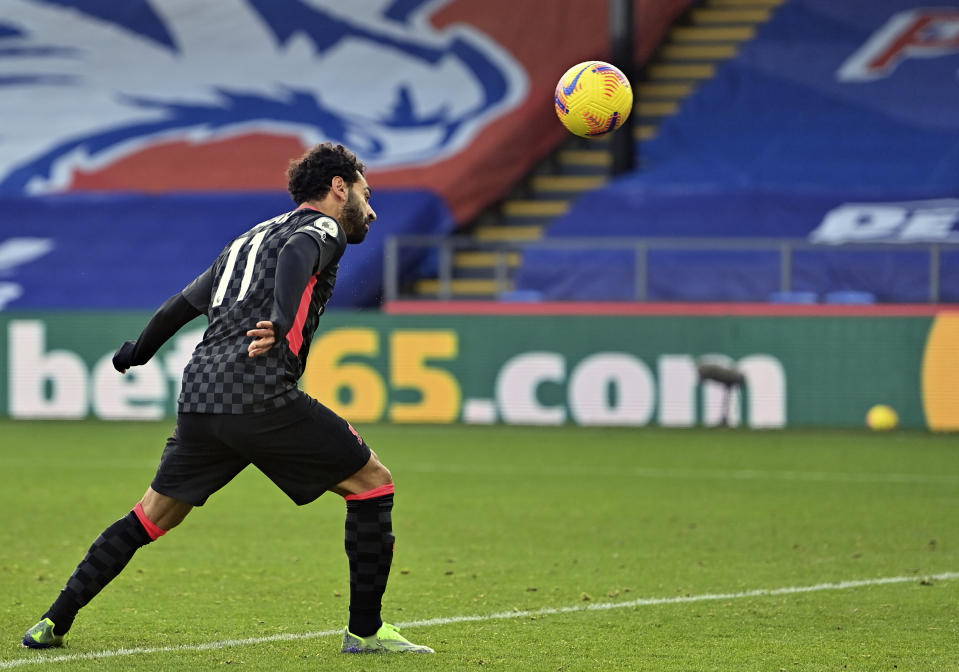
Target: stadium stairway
(710, 32)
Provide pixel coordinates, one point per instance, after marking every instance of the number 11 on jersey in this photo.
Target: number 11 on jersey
(230, 267)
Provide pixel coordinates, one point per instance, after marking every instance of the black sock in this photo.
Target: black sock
(369, 547)
(107, 557)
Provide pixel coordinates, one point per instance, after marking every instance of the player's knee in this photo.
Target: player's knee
(373, 475)
(380, 475)
(162, 511)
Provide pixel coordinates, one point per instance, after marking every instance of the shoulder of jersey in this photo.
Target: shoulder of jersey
(326, 226)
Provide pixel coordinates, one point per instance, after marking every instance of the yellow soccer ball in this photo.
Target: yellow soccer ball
(593, 99)
(882, 418)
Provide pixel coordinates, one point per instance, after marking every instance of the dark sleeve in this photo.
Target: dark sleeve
(172, 315)
(329, 237)
(299, 260)
(199, 291)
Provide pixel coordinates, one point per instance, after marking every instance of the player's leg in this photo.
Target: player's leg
(163, 511)
(369, 547)
(150, 519)
(194, 465)
(369, 542)
(308, 450)
(371, 476)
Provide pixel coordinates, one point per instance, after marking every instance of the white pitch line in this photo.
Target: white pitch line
(707, 474)
(42, 658)
(818, 476)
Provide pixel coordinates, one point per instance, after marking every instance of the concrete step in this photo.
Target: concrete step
(673, 71)
(652, 91)
(698, 52)
(730, 15)
(601, 158)
(656, 108)
(486, 260)
(463, 287)
(744, 3)
(529, 208)
(645, 131)
(509, 233)
(700, 34)
(553, 184)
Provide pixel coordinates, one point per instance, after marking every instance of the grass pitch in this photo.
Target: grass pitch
(517, 549)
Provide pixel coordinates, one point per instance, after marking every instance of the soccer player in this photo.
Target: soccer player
(239, 403)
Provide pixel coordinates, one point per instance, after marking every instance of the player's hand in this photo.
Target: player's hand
(123, 359)
(263, 338)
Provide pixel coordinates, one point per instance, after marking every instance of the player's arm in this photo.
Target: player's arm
(177, 311)
(298, 262)
(305, 254)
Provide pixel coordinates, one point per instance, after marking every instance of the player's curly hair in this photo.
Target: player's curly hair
(311, 175)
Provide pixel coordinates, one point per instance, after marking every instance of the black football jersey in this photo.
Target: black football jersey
(236, 292)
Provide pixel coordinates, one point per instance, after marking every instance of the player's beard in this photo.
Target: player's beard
(354, 220)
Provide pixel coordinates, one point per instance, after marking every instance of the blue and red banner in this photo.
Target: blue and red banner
(154, 98)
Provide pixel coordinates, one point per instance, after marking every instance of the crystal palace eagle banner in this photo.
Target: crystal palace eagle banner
(167, 125)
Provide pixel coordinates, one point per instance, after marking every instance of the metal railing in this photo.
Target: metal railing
(447, 247)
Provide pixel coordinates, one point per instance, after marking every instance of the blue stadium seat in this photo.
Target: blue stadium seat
(793, 297)
(850, 296)
(521, 295)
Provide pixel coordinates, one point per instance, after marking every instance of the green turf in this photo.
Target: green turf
(494, 521)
